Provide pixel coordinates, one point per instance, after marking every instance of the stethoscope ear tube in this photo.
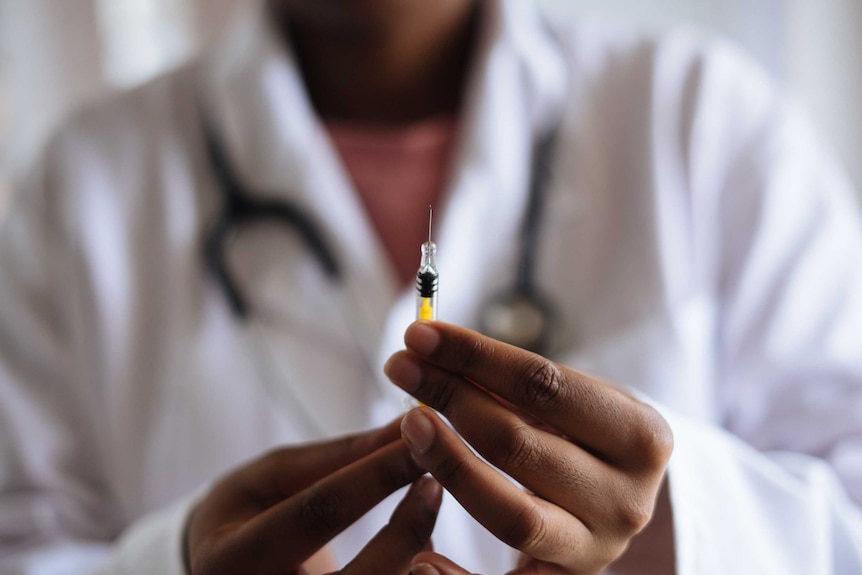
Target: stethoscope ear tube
(214, 254)
(522, 316)
(241, 208)
(540, 178)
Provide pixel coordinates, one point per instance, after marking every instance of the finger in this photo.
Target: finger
(290, 532)
(321, 562)
(550, 466)
(407, 533)
(600, 417)
(267, 481)
(285, 471)
(521, 520)
(435, 564)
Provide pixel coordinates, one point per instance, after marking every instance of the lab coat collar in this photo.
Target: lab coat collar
(255, 94)
(517, 91)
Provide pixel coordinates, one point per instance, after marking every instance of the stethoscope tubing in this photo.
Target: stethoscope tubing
(241, 209)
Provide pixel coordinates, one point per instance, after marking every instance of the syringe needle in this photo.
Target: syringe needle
(430, 218)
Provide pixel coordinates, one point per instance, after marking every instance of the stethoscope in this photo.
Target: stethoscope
(521, 315)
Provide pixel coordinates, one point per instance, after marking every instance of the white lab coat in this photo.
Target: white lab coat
(700, 244)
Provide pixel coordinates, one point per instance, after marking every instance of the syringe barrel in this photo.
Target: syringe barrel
(427, 283)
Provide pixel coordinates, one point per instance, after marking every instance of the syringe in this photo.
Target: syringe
(427, 277)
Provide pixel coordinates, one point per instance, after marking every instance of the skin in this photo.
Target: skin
(399, 60)
(276, 514)
(591, 457)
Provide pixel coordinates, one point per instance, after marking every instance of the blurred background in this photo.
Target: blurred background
(55, 54)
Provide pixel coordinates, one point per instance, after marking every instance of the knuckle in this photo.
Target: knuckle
(633, 515)
(348, 444)
(528, 529)
(516, 448)
(412, 524)
(450, 470)
(442, 394)
(395, 475)
(543, 383)
(319, 512)
(474, 353)
(652, 440)
(419, 532)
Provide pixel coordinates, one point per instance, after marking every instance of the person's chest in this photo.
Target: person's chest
(195, 390)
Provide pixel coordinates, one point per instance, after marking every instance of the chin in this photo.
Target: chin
(358, 14)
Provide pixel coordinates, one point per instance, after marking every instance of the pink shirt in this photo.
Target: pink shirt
(397, 172)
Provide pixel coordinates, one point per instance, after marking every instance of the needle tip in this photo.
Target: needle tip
(430, 218)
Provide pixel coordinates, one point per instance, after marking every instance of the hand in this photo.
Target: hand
(591, 456)
(274, 514)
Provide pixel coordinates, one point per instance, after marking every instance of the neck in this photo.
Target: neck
(388, 70)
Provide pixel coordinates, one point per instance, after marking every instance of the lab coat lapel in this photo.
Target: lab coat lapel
(277, 142)
(256, 96)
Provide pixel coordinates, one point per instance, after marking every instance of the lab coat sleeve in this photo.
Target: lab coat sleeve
(57, 513)
(777, 486)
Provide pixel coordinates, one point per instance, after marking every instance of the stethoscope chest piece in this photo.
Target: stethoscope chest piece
(523, 318)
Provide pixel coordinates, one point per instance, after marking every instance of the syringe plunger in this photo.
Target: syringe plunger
(427, 276)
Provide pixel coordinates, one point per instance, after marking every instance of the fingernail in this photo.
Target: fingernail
(418, 430)
(424, 569)
(404, 372)
(422, 338)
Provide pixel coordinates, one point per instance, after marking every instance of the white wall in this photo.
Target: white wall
(824, 66)
(754, 23)
(55, 53)
(813, 48)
